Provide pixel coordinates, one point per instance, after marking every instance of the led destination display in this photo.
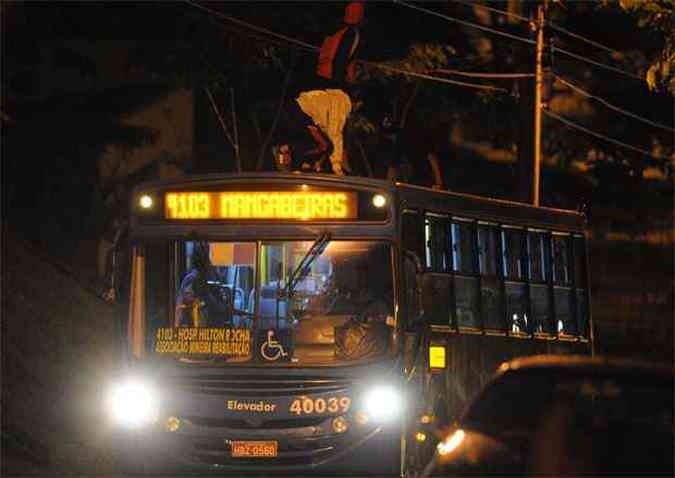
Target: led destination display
(295, 205)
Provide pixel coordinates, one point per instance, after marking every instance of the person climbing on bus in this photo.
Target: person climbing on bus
(303, 146)
(326, 100)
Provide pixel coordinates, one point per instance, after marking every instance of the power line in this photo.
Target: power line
(579, 37)
(596, 63)
(601, 136)
(307, 46)
(434, 78)
(611, 106)
(526, 40)
(236, 21)
(257, 36)
(465, 23)
(477, 74)
(495, 10)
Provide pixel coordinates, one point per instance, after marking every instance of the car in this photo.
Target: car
(564, 416)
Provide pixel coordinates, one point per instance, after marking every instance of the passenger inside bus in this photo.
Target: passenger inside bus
(210, 294)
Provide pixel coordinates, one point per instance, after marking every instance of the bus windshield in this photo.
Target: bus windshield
(284, 302)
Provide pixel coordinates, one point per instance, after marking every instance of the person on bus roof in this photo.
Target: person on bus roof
(326, 101)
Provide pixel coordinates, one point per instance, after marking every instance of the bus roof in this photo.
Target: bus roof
(492, 210)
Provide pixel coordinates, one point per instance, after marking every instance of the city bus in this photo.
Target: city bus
(294, 322)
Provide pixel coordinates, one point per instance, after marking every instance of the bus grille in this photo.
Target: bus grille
(259, 386)
(239, 424)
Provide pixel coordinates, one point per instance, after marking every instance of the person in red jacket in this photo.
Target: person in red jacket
(326, 101)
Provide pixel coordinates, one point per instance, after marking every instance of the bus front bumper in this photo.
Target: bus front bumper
(192, 449)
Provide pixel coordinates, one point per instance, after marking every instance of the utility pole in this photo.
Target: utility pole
(539, 84)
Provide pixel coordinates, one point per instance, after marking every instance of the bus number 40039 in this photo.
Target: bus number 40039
(307, 406)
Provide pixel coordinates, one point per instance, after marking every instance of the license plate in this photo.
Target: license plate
(254, 449)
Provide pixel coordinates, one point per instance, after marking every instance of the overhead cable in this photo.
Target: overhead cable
(611, 106)
(236, 21)
(478, 74)
(574, 125)
(465, 23)
(310, 47)
(495, 10)
(382, 66)
(596, 63)
(579, 37)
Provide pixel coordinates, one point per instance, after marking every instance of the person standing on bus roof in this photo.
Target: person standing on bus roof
(327, 102)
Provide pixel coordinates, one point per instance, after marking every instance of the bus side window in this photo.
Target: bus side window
(538, 245)
(580, 282)
(488, 262)
(465, 265)
(514, 262)
(562, 290)
(437, 244)
(436, 298)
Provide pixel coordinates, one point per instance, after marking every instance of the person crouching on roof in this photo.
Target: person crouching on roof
(327, 102)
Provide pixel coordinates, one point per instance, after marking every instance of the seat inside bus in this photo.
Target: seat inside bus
(268, 308)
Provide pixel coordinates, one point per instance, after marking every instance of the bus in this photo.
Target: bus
(296, 322)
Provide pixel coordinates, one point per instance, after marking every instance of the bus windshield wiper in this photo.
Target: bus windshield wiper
(303, 268)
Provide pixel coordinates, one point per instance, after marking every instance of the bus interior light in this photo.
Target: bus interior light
(146, 201)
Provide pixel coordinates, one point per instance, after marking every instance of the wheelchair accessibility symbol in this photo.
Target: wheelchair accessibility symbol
(272, 349)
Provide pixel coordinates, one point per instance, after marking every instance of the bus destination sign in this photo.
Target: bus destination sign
(293, 205)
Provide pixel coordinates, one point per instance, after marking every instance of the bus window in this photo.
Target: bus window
(512, 253)
(463, 248)
(536, 253)
(466, 301)
(436, 298)
(563, 310)
(562, 281)
(491, 290)
(464, 261)
(492, 304)
(581, 284)
(540, 299)
(560, 255)
(516, 307)
(437, 244)
(233, 298)
(488, 238)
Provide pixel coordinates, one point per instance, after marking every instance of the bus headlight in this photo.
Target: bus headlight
(133, 404)
(383, 403)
